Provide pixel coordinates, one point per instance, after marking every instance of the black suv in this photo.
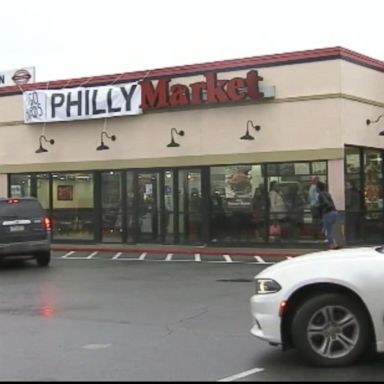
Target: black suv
(25, 230)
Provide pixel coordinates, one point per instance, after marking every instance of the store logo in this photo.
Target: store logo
(34, 106)
(22, 76)
(210, 91)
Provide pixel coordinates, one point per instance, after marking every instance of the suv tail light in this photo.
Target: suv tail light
(12, 201)
(47, 223)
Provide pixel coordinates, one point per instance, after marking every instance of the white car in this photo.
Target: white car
(329, 305)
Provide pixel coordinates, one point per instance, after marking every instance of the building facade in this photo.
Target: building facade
(198, 163)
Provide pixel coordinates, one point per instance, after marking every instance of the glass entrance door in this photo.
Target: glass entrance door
(148, 207)
(111, 207)
(190, 206)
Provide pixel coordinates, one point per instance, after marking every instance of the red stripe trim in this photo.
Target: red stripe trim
(225, 65)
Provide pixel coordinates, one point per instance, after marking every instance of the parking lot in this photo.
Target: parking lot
(109, 317)
(160, 256)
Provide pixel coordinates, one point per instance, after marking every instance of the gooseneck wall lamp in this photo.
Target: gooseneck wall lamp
(173, 143)
(369, 122)
(247, 135)
(41, 149)
(103, 146)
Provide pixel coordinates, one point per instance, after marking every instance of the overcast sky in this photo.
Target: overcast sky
(66, 39)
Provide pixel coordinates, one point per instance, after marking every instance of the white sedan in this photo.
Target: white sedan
(329, 305)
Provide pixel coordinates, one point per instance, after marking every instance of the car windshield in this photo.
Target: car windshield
(23, 208)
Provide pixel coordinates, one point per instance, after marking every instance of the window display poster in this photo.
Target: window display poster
(64, 192)
(238, 187)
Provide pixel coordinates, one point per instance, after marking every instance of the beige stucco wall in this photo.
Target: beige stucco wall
(215, 132)
(362, 82)
(318, 107)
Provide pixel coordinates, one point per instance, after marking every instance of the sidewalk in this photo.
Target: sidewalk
(184, 249)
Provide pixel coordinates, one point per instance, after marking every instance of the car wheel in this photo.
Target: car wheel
(43, 258)
(331, 330)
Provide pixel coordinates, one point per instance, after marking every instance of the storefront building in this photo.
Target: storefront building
(194, 156)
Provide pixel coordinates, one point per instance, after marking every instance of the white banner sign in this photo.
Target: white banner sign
(17, 77)
(82, 103)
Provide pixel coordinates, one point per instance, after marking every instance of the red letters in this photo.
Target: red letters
(215, 89)
(197, 89)
(209, 91)
(236, 89)
(151, 98)
(179, 95)
(253, 79)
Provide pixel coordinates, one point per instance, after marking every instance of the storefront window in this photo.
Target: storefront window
(20, 186)
(352, 160)
(318, 168)
(42, 189)
(237, 204)
(353, 188)
(264, 202)
(37, 185)
(373, 194)
(143, 205)
(73, 207)
(290, 217)
(130, 192)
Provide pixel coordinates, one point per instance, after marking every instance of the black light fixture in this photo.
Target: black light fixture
(41, 149)
(102, 145)
(368, 122)
(247, 135)
(173, 143)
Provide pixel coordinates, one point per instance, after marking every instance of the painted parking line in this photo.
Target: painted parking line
(180, 258)
(241, 375)
(118, 254)
(68, 254)
(170, 257)
(92, 255)
(258, 263)
(223, 262)
(118, 257)
(260, 260)
(96, 346)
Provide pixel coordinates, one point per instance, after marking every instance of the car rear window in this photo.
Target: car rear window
(22, 208)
